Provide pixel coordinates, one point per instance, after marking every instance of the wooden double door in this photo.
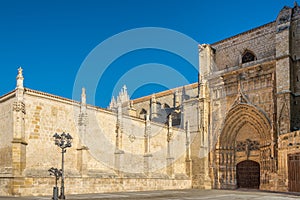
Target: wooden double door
(248, 174)
(294, 172)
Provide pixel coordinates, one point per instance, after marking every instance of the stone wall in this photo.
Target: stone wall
(288, 143)
(260, 41)
(45, 116)
(295, 54)
(5, 186)
(82, 185)
(148, 155)
(194, 111)
(6, 130)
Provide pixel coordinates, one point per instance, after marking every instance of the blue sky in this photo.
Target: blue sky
(51, 39)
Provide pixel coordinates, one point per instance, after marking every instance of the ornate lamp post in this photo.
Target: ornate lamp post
(63, 141)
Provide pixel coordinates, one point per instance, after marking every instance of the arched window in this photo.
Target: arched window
(176, 118)
(248, 56)
(143, 114)
(166, 106)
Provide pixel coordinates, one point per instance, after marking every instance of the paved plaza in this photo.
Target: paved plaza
(176, 195)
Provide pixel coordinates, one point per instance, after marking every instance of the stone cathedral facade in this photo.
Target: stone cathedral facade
(237, 127)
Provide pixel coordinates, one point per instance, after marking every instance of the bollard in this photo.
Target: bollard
(55, 193)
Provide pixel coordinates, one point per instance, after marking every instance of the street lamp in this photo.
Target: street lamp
(63, 141)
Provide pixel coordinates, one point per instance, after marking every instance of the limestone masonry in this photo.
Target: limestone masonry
(237, 127)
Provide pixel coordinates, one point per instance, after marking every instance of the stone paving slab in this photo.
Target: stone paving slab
(176, 195)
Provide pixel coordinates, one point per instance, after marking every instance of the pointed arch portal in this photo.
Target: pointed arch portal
(240, 115)
(244, 146)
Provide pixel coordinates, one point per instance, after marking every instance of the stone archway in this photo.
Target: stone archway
(246, 135)
(248, 174)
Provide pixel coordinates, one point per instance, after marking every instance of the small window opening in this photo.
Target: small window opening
(143, 114)
(248, 57)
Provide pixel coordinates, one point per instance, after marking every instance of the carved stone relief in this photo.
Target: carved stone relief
(247, 145)
(19, 106)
